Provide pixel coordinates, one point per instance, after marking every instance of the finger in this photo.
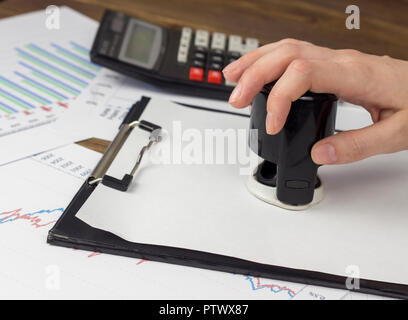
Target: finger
(270, 67)
(387, 136)
(378, 114)
(234, 70)
(300, 76)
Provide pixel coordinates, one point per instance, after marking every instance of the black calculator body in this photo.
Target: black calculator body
(180, 61)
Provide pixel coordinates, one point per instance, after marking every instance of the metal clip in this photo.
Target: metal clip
(99, 174)
(154, 137)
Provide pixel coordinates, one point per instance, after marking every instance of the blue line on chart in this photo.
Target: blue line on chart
(2, 221)
(278, 289)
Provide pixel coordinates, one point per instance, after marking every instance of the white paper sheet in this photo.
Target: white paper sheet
(362, 221)
(42, 71)
(33, 194)
(102, 107)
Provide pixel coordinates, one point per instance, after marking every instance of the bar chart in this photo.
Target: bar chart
(40, 82)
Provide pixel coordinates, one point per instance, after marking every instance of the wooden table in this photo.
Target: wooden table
(383, 27)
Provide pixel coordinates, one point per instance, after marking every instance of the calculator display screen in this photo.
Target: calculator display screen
(140, 43)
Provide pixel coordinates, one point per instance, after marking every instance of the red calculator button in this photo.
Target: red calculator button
(214, 77)
(196, 74)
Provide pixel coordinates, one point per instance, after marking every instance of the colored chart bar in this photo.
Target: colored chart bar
(46, 77)
(27, 93)
(45, 108)
(7, 109)
(64, 105)
(41, 63)
(74, 57)
(84, 51)
(16, 100)
(61, 62)
(39, 86)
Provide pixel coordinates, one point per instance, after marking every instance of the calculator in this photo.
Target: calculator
(182, 61)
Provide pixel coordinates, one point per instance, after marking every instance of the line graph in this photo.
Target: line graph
(35, 218)
(256, 284)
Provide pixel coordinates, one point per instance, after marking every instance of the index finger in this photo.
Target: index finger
(234, 70)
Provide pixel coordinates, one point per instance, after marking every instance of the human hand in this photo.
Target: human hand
(379, 84)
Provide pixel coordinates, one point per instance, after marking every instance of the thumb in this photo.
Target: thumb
(386, 136)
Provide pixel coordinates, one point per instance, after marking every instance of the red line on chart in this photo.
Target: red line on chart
(275, 288)
(141, 261)
(93, 254)
(35, 218)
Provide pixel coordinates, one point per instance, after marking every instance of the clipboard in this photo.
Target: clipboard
(70, 231)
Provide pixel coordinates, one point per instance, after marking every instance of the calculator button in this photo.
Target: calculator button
(198, 63)
(201, 38)
(196, 74)
(218, 41)
(184, 45)
(230, 84)
(199, 56)
(186, 32)
(182, 56)
(215, 66)
(217, 59)
(200, 49)
(235, 43)
(214, 76)
(217, 52)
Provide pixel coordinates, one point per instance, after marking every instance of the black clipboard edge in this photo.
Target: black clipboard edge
(137, 109)
(71, 232)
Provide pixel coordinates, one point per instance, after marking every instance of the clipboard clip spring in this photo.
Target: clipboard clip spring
(124, 183)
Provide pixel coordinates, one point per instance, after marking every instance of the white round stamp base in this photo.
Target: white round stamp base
(268, 194)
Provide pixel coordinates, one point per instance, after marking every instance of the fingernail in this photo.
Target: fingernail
(231, 66)
(235, 94)
(269, 123)
(325, 154)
